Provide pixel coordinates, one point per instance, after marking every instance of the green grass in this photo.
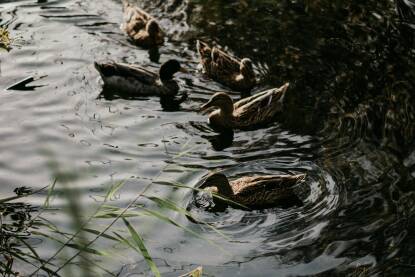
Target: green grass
(77, 251)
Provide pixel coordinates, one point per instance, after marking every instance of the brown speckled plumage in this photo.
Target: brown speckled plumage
(225, 69)
(246, 113)
(255, 191)
(141, 27)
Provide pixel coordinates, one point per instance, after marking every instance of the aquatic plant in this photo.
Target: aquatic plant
(76, 252)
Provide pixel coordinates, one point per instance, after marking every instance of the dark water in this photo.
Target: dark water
(349, 124)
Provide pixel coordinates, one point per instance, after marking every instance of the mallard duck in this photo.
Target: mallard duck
(138, 81)
(234, 73)
(253, 192)
(246, 113)
(141, 27)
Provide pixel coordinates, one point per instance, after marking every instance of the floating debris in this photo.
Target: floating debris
(5, 40)
(194, 273)
(22, 84)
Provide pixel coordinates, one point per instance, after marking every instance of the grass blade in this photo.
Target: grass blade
(113, 190)
(165, 203)
(139, 245)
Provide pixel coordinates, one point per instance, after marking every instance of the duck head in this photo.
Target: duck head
(246, 68)
(219, 100)
(218, 183)
(169, 68)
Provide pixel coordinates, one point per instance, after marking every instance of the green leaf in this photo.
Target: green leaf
(165, 203)
(113, 190)
(171, 221)
(140, 246)
(50, 191)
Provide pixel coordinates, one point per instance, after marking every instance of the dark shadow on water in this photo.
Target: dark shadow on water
(168, 103)
(154, 54)
(219, 141)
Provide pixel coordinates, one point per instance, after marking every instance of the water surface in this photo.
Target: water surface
(348, 125)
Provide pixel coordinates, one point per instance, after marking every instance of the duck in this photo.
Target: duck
(247, 113)
(138, 81)
(237, 74)
(141, 27)
(253, 192)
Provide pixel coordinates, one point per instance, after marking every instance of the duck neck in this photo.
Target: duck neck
(247, 72)
(221, 183)
(225, 189)
(165, 75)
(226, 109)
(171, 86)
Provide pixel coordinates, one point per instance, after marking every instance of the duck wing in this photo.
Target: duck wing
(203, 49)
(249, 186)
(260, 107)
(127, 71)
(225, 62)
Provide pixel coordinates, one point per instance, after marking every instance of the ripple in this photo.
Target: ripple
(358, 197)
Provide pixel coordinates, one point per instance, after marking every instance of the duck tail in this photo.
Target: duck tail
(282, 91)
(203, 48)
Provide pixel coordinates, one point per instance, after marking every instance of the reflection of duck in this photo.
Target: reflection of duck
(141, 27)
(220, 141)
(246, 113)
(253, 192)
(220, 66)
(138, 81)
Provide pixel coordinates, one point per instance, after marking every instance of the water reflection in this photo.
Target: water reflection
(168, 103)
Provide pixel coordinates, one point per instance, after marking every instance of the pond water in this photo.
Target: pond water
(348, 124)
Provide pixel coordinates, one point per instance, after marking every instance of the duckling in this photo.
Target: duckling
(234, 73)
(138, 81)
(253, 192)
(141, 27)
(247, 113)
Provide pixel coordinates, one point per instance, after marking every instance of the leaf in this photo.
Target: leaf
(50, 191)
(165, 203)
(164, 218)
(86, 249)
(194, 273)
(111, 192)
(95, 232)
(139, 247)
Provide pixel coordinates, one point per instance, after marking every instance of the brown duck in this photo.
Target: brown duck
(232, 72)
(253, 192)
(141, 27)
(247, 113)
